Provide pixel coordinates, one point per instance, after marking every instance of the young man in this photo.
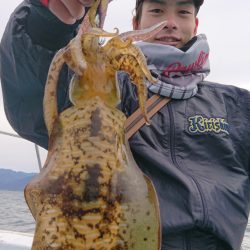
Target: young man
(197, 148)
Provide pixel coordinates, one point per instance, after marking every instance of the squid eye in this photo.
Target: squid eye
(101, 41)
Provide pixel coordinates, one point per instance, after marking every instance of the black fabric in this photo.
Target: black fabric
(194, 239)
(24, 66)
(47, 30)
(201, 177)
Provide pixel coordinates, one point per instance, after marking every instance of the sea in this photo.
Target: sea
(16, 217)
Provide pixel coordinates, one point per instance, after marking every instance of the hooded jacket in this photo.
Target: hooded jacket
(196, 151)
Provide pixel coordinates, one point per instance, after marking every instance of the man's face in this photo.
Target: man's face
(180, 16)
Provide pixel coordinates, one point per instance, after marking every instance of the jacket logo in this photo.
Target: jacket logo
(199, 124)
(179, 67)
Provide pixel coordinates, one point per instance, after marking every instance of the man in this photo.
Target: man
(197, 148)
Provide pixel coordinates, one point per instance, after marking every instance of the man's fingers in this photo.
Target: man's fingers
(68, 11)
(75, 8)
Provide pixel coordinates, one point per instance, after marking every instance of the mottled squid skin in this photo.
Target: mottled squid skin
(90, 194)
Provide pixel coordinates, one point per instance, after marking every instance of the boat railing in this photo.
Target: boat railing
(38, 156)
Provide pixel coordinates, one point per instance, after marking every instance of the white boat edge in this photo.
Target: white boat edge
(13, 238)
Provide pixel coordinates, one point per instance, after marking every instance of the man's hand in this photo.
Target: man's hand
(69, 11)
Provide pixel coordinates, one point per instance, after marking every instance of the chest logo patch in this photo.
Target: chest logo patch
(199, 124)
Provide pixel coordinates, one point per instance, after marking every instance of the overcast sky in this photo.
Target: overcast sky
(226, 25)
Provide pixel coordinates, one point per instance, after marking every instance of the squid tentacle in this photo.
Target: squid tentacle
(50, 92)
(140, 35)
(103, 11)
(137, 70)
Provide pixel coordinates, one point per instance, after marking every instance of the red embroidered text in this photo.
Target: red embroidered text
(179, 67)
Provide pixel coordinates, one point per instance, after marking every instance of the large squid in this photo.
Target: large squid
(90, 194)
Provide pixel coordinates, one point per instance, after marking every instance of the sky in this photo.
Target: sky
(226, 25)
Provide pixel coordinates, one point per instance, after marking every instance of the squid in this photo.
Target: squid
(90, 194)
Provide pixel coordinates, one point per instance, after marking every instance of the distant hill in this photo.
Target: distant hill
(14, 181)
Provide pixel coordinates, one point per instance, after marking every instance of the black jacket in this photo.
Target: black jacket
(196, 151)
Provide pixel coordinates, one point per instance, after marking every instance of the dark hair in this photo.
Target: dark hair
(139, 3)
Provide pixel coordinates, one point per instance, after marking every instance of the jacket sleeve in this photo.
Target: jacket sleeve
(244, 119)
(247, 105)
(31, 38)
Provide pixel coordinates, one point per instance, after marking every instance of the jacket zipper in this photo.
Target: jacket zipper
(173, 157)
